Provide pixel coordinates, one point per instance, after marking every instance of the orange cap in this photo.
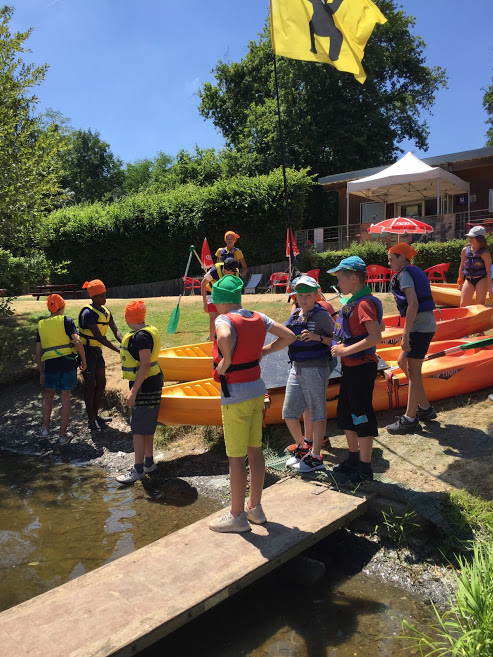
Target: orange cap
(405, 249)
(231, 232)
(135, 312)
(55, 302)
(94, 287)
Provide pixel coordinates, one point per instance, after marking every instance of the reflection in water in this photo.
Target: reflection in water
(58, 521)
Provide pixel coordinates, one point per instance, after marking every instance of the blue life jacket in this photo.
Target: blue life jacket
(421, 287)
(343, 331)
(228, 254)
(299, 350)
(474, 264)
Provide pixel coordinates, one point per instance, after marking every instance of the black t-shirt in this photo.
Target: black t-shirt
(61, 363)
(143, 340)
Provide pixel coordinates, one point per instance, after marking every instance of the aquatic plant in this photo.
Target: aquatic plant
(466, 629)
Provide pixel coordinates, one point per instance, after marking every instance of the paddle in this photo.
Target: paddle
(460, 347)
(175, 315)
(200, 261)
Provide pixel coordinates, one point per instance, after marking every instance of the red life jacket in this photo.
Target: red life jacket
(250, 332)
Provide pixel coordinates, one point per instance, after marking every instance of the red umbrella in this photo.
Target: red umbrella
(400, 226)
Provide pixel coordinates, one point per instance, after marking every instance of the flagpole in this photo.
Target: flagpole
(283, 162)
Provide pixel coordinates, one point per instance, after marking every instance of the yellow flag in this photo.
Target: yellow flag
(320, 31)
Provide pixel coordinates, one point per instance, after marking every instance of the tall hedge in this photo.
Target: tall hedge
(375, 253)
(145, 237)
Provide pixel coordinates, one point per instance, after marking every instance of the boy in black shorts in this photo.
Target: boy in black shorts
(411, 289)
(358, 326)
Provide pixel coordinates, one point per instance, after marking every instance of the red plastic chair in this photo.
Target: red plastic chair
(191, 284)
(313, 273)
(378, 275)
(437, 272)
(278, 280)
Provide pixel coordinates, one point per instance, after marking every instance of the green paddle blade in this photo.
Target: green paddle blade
(173, 320)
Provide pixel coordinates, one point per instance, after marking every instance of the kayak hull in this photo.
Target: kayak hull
(199, 402)
(194, 362)
(447, 294)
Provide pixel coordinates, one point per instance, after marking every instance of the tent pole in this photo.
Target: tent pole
(438, 196)
(347, 214)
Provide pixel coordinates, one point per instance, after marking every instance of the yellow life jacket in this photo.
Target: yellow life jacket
(86, 335)
(54, 341)
(219, 268)
(130, 365)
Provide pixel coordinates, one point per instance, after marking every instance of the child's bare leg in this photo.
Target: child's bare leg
(308, 426)
(294, 427)
(365, 448)
(139, 447)
(318, 435)
(238, 483)
(352, 440)
(65, 414)
(149, 446)
(257, 475)
(47, 407)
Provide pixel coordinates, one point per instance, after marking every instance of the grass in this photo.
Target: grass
(466, 629)
(470, 512)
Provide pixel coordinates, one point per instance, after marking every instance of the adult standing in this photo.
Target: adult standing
(232, 251)
(475, 268)
(94, 320)
(412, 292)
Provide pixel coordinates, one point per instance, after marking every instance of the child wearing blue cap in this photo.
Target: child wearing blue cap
(358, 325)
(311, 364)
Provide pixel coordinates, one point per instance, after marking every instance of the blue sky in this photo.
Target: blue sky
(131, 69)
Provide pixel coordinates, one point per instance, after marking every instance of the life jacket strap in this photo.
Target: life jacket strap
(136, 369)
(58, 346)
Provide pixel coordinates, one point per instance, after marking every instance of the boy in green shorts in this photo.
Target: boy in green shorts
(238, 348)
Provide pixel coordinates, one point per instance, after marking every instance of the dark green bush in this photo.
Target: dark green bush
(145, 237)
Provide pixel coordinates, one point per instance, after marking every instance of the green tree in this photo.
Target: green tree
(137, 176)
(90, 171)
(331, 122)
(488, 106)
(29, 144)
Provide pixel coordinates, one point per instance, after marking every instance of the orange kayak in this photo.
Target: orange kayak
(194, 361)
(199, 402)
(447, 294)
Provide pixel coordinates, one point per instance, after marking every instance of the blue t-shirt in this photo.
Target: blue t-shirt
(61, 363)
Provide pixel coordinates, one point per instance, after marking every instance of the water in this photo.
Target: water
(58, 521)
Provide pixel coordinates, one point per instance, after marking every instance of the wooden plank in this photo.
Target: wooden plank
(125, 606)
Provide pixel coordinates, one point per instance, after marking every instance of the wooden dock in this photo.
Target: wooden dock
(129, 604)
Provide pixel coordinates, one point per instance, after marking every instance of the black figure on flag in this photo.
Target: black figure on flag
(322, 25)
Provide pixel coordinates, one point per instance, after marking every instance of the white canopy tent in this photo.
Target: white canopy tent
(406, 180)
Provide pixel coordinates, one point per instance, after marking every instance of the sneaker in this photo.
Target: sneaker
(130, 477)
(346, 466)
(426, 414)
(230, 524)
(490, 398)
(255, 515)
(101, 424)
(326, 444)
(309, 464)
(44, 433)
(64, 440)
(299, 453)
(104, 418)
(150, 468)
(404, 426)
(360, 477)
(93, 427)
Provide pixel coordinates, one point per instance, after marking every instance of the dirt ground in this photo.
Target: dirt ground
(453, 452)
